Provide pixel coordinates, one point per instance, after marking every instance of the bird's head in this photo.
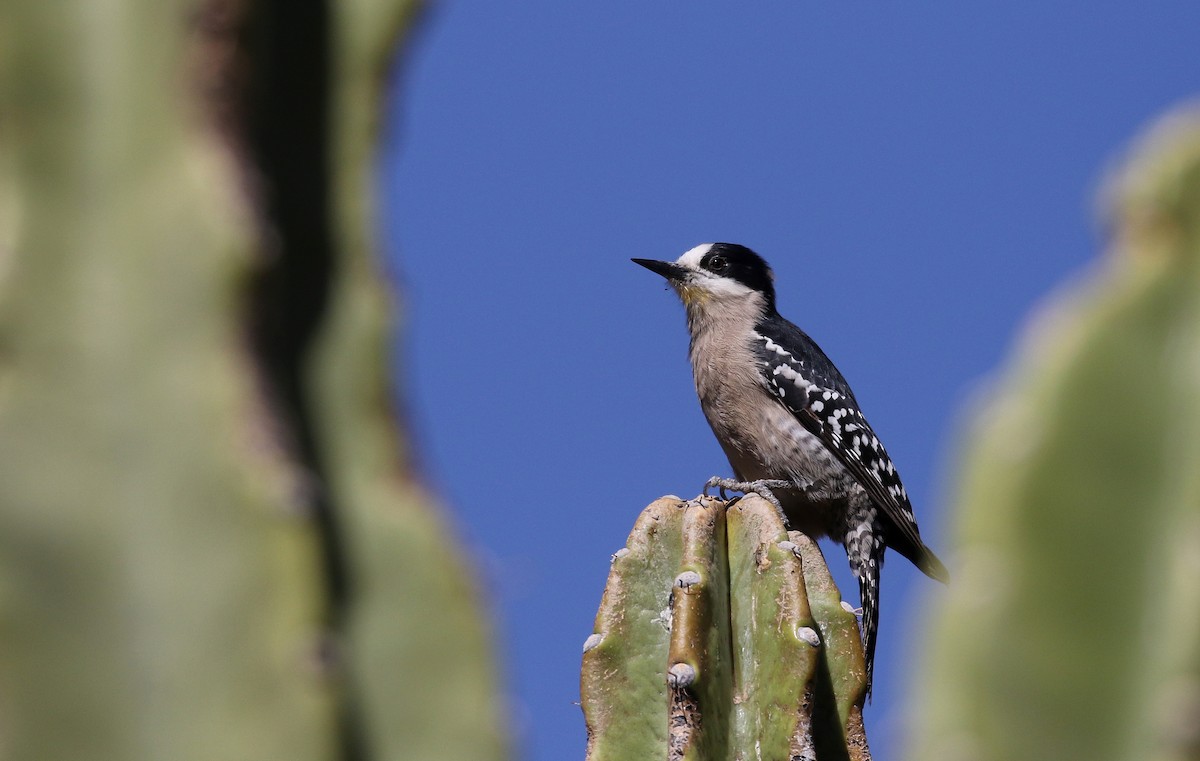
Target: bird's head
(713, 273)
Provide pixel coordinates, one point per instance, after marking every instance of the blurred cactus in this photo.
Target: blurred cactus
(211, 546)
(721, 636)
(1073, 628)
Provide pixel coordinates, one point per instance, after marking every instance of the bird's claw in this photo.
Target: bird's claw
(761, 487)
(716, 482)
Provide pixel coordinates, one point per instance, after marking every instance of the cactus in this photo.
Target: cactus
(210, 542)
(1073, 628)
(721, 636)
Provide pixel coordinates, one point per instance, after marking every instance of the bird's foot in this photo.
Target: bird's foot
(762, 488)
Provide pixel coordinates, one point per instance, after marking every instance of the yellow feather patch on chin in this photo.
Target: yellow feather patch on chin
(692, 295)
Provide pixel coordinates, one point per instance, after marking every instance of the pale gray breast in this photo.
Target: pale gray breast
(760, 437)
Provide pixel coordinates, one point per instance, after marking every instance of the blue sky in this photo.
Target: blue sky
(920, 175)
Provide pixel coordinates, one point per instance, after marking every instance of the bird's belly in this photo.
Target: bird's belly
(776, 446)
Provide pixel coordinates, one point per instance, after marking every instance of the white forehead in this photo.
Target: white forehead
(691, 258)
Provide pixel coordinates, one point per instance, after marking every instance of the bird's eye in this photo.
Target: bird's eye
(718, 264)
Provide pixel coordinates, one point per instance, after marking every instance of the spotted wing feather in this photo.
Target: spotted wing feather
(813, 390)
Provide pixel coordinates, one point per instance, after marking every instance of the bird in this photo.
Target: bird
(788, 421)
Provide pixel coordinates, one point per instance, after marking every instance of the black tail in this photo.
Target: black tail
(930, 565)
(923, 558)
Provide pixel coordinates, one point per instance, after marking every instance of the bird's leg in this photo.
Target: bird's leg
(761, 487)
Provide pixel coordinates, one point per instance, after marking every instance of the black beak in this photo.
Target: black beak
(670, 270)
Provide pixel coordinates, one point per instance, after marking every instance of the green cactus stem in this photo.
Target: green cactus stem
(1073, 631)
(710, 645)
(211, 544)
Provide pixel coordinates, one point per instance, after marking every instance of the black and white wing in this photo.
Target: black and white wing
(806, 382)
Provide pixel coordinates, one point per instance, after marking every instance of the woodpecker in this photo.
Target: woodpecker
(788, 421)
